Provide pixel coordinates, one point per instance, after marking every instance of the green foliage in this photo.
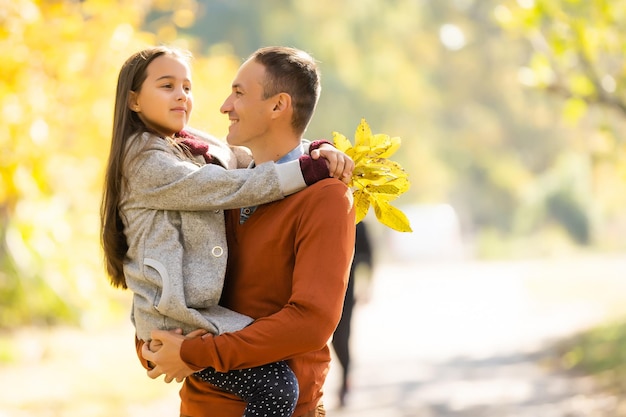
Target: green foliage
(564, 208)
(577, 48)
(600, 352)
(577, 56)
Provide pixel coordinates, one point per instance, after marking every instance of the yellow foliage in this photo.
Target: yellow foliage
(376, 180)
(57, 91)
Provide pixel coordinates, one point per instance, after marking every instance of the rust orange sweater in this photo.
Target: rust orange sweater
(287, 268)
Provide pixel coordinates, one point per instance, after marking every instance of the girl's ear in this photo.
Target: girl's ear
(133, 105)
(282, 102)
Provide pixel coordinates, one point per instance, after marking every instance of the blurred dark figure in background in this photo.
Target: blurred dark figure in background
(363, 261)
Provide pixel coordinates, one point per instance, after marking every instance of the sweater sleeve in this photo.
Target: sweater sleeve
(290, 177)
(324, 247)
(162, 181)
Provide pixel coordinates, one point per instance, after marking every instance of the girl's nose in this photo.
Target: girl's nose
(182, 94)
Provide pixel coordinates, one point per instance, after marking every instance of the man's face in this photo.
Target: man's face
(248, 112)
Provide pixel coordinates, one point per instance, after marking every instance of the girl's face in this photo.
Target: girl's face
(164, 102)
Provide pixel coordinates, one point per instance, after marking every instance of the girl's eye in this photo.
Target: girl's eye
(167, 85)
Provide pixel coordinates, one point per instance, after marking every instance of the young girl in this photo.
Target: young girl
(162, 219)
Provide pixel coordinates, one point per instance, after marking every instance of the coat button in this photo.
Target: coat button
(217, 251)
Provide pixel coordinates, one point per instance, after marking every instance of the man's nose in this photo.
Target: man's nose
(226, 106)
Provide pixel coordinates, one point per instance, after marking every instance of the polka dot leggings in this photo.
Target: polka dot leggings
(270, 390)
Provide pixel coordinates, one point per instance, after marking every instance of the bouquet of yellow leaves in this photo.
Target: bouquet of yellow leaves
(376, 180)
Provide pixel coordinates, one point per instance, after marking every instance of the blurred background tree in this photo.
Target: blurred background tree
(56, 106)
(576, 56)
(510, 111)
(56, 101)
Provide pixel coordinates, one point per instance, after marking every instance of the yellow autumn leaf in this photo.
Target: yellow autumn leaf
(341, 142)
(363, 134)
(391, 216)
(376, 180)
(362, 204)
(388, 191)
(380, 174)
(394, 145)
(395, 187)
(382, 146)
(360, 152)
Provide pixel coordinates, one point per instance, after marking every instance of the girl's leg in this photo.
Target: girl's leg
(269, 390)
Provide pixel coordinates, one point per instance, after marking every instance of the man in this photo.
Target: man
(288, 261)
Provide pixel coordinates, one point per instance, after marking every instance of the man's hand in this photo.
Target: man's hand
(166, 356)
(340, 165)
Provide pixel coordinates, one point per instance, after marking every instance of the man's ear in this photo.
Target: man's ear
(133, 105)
(282, 103)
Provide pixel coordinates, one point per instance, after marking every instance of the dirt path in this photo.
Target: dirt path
(468, 340)
(435, 340)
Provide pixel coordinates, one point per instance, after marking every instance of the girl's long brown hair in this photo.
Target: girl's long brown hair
(126, 124)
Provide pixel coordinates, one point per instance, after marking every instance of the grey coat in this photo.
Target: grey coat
(173, 216)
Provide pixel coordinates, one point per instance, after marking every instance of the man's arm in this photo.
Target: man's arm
(319, 278)
(323, 249)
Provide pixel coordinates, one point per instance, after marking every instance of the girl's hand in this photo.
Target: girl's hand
(340, 165)
(166, 358)
(155, 345)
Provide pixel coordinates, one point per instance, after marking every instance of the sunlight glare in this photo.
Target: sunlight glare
(39, 131)
(121, 36)
(452, 37)
(526, 4)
